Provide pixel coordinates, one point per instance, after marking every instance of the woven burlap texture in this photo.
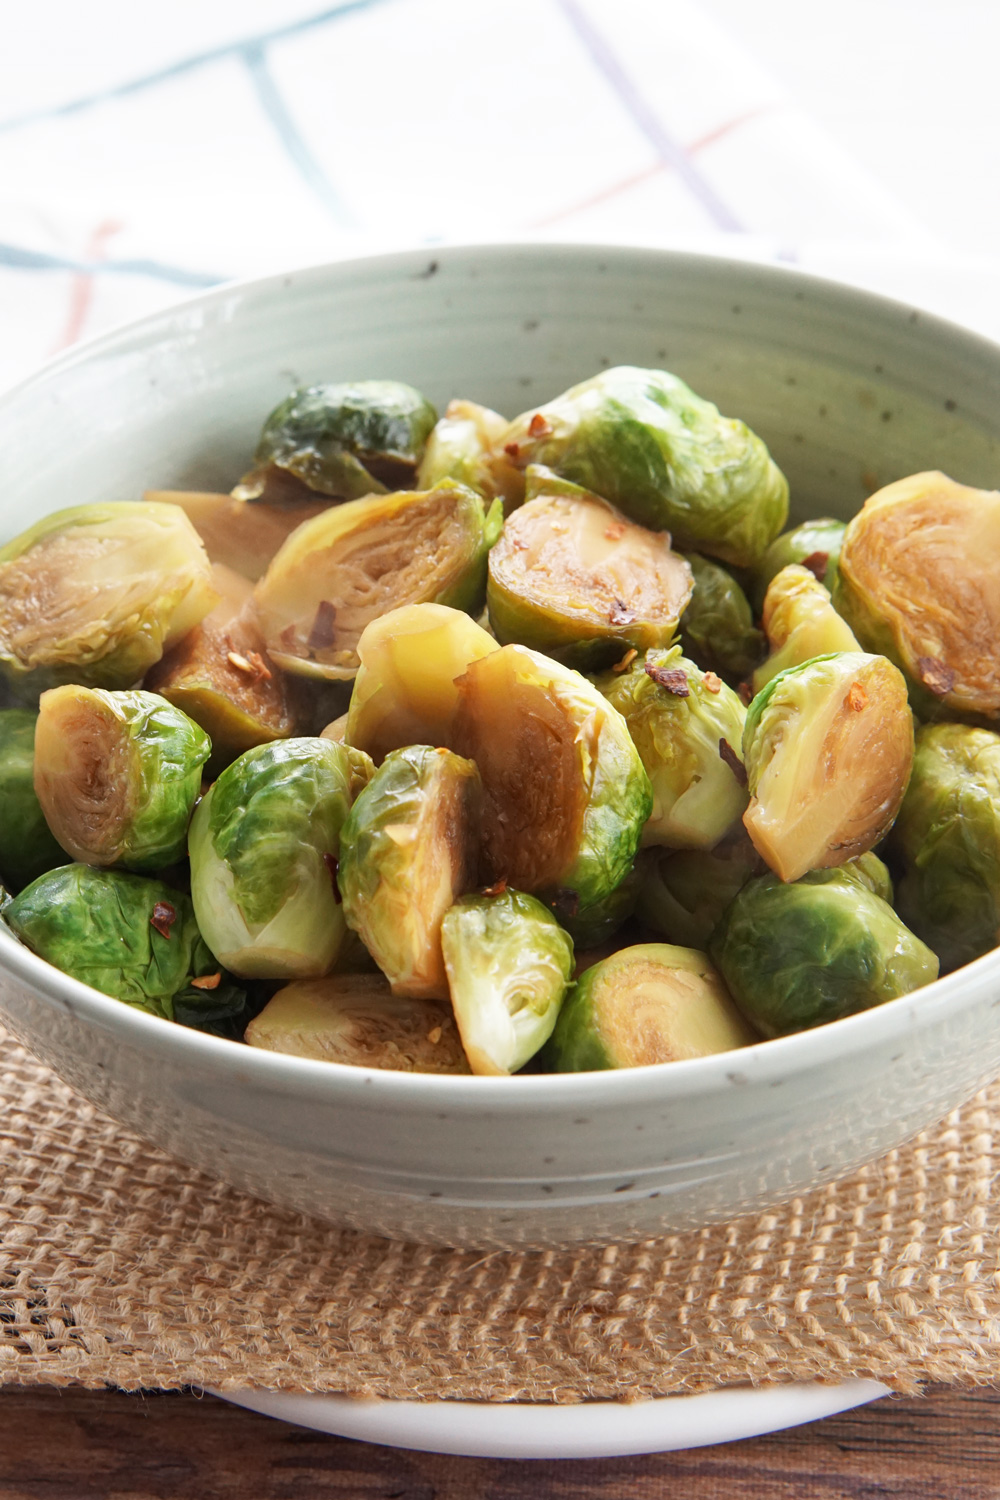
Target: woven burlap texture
(120, 1265)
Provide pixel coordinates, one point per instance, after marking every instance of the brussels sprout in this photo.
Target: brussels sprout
(717, 628)
(220, 675)
(405, 692)
(345, 441)
(357, 561)
(814, 544)
(801, 954)
(828, 748)
(801, 623)
(565, 792)
(236, 534)
(644, 441)
(264, 844)
(508, 963)
(465, 446)
(572, 577)
(682, 893)
(407, 851)
(96, 594)
(27, 845)
(688, 728)
(117, 775)
(214, 1004)
(916, 583)
(356, 1019)
(649, 1004)
(948, 834)
(129, 937)
(592, 926)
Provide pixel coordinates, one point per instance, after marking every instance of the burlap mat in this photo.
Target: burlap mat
(119, 1265)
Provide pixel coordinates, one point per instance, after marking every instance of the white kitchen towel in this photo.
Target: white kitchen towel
(147, 152)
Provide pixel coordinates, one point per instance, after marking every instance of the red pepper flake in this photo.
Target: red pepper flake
(497, 889)
(615, 531)
(935, 674)
(207, 982)
(857, 698)
(333, 866)
(163, 918)
(712, 682)
(626, 661)
(323, 632)
(539, 426)
(512, 450)
(817, 563)
(620, 614)
(732, 760)
(745, 692)
(674, 679)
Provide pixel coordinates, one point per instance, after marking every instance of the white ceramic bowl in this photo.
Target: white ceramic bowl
(849, 391)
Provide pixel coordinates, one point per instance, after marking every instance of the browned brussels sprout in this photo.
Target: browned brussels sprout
(407, 852)
(566, 795)
(340, 571)
(574, 578)
(916, 582)
(813, 544)
(356, 1019)
(828, 748)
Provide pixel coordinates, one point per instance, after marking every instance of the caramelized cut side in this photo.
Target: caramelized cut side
(81, 780)
(647, 1012)
(527, 746)
(356, 1019)
(839, 792)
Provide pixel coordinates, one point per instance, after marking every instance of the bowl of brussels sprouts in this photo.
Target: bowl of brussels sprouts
(504, 748)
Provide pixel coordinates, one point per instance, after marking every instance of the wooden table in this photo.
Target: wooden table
(102, 1445)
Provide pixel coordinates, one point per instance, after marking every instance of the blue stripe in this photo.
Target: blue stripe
(186, 65)
(298, 152)
(20, 258)
(667, 149)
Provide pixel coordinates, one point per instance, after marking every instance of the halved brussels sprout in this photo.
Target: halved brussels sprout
(465, 446)
(916, 582)
(508, 963)
(682, 893)
(356, 561)
(239, 535)
(117, 775)
(828, 748)
(800, 622)
(644, 441)
(221, 676)
(405, 692)
(688, 728)
(264, 844)
(801, 954)
(27, 845)
(129, 937)
(572, 577)
(407, 851)
(717, 629)
(948, 834)
(356, 1019)
(649, 1004)
(813, 544)
(349, 440)
(565, 791)
(96, 594)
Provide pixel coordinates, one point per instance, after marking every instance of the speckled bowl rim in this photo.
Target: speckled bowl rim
(769, 1061)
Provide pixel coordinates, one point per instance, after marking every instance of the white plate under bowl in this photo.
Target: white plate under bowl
(592, 1429)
